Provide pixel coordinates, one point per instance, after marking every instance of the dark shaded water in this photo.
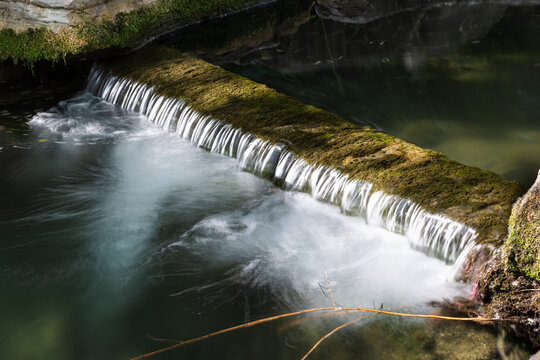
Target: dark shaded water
(460, 79)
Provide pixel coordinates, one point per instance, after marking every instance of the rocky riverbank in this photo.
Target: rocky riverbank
(33, 31)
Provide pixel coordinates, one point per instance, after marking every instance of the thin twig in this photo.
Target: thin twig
(153, 338)
(330, 285)
(299, 321)
(440, 317)
(334, 331)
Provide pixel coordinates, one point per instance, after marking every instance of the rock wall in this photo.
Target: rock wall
(21, 15)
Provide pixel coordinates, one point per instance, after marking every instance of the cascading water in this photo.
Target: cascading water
(433, 234)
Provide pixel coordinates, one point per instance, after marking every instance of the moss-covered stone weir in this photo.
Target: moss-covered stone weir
(477, 198)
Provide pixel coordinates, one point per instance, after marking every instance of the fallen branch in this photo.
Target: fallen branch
(299, 321)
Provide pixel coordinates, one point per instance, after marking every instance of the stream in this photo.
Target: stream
(116, 232)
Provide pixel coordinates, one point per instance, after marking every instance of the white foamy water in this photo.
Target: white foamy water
(285, 243)
(433, 234)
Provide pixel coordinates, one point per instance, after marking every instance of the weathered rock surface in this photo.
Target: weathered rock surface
(510, 283)
(21, 15)
(522, 249)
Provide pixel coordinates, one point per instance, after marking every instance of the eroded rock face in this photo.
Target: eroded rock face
(20, 15)
(522, 249)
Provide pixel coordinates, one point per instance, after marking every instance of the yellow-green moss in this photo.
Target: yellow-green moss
(522, 248)
(478, 198)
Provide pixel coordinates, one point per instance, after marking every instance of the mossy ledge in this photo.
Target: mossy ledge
(127, 30)
(471, 196)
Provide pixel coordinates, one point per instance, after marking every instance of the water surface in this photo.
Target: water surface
(114, 231)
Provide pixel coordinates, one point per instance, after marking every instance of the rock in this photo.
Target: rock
(509, 285)
(521, 251)
(35, 30)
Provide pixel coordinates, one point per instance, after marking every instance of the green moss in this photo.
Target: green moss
(127, 30)
(472, 196)
(522, 248)
(36, 44)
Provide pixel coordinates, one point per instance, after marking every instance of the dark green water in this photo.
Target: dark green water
(462, 80)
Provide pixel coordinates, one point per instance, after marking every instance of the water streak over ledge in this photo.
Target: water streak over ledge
(433, 234)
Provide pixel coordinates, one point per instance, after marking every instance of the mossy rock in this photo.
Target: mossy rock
(126, 31)
(522, 249)
(471, 196)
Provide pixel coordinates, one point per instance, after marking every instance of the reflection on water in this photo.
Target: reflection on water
(113, 230)
(460, 79)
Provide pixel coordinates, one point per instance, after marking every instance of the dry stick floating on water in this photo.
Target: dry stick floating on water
(331, 308)
(336, 309)
(330, 286)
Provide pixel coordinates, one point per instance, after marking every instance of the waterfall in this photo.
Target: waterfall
(433, 234)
